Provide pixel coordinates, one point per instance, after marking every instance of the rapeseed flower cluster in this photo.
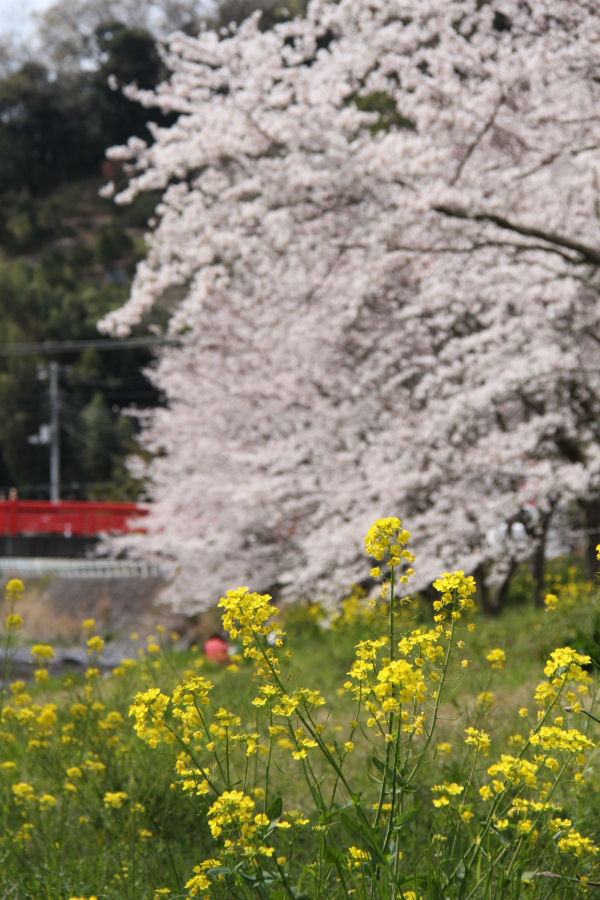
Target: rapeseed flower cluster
(386, 770)
(386, 536)
(386, 541)
(356, 609)
(456, 591)
(496, 658)
(70, 780)
(566, 664)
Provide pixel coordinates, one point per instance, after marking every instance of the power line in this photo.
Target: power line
(40, 348)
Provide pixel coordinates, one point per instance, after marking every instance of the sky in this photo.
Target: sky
(15, 16)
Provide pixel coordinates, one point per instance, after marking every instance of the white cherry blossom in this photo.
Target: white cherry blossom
(378, 241)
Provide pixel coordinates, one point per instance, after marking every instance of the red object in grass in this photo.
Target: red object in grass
(216, 649)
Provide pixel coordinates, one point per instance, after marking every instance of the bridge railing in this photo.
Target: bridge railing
(38, 567)
(69, 518)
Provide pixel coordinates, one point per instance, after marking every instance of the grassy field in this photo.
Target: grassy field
(418, 765)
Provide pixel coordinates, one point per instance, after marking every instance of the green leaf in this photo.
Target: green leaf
(219, 870)
(377, 763)
(274, 809)
(330, 855)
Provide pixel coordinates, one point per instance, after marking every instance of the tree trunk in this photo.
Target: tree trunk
(538, 558)
(493, 599)
(538, 569)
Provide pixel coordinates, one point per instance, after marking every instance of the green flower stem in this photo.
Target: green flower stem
(476, 846)
(307, 723)
(194, 759)
(208, 736)
(388, 834)
(420, 757)
(350, 738)
(285, 882)
(268, 765)
(388, 748)
(467, 786)
(538, 818)
(9, 643)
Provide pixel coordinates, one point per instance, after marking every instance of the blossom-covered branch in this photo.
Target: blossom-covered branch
(327, 372)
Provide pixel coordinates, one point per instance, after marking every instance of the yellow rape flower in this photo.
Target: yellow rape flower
(42, 653)
(478, 739)
(115, 799)
(387, 535)
(357, 856)
(231, 809)
(551, 737)
(557, 824)
(15, 586)
(496, 658)
(95, 644)
(576, 844)
(515, 770)
(23, 792)
(456, 591)
(446, 790)
(200, 880)
(566, 664)
(484, 700)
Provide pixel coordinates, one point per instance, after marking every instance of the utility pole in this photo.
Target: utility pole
(54, 434)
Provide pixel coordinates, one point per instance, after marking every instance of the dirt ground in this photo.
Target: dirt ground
(53, 610)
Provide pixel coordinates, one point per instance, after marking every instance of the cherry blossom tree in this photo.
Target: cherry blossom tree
(378, 244)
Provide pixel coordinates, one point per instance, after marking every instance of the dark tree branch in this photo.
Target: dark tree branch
(485, 245)
(474, 144)
(591, 334)
(586, 253)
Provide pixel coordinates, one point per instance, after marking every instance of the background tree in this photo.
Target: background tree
(39, 138)
(67, 256)
(71, 30)
(53, 299)
(226, 12)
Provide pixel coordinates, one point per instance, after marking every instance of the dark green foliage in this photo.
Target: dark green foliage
(587, 640)
(67, 257)
(272, 12)
(520, 591)
(113, 243)
(389, 116)
(81, 270)
(55, 128)
(39, 138)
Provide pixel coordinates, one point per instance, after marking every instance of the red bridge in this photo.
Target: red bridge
(71, 518)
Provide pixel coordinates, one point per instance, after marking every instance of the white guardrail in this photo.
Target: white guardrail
(80, 568)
